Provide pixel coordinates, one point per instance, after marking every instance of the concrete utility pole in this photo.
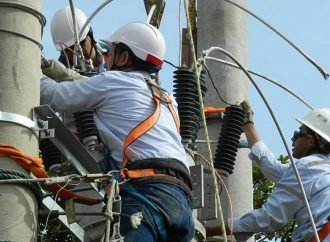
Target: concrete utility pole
(20, 33)
(223, 25)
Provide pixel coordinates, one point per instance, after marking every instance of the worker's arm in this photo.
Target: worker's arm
(74, 96)
(251, 133)
(269, 165)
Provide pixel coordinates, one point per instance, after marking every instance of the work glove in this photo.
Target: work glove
(57, 71)
(248, 112)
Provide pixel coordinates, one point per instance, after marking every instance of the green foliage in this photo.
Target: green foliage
(262, 188)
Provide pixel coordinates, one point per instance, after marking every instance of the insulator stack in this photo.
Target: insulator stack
(186, 95)
(86, 128)
(51, 156)
(228, 142)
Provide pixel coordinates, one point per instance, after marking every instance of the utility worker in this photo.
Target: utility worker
(62, 30)
(311, 148)
(138, 122)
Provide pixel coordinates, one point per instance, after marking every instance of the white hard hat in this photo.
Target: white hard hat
(318, 120)
(61, 27)
(146, 41)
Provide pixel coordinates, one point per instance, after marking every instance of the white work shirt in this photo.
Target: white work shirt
(286, 201)
(68, 118)
(120, 100)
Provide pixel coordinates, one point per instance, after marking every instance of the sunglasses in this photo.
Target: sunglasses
(298, 134)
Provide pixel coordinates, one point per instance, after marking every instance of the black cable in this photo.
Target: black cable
(167, 62)
(23, 36)
(13, 174)
(25, 7)
(29, 9)
(214, 86)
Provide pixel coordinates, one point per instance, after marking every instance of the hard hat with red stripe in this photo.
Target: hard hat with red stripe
(146, 41)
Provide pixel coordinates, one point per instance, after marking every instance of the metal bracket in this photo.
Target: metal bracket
(23, 121)
(209, 211)
(67, 143)
(74, 227)
(197, 177)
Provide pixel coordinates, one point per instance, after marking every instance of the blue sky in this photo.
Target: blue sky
(306, 23)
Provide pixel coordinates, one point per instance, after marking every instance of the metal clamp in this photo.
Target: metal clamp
(23, 121)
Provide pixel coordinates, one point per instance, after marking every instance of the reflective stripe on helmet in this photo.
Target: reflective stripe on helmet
(154, 60)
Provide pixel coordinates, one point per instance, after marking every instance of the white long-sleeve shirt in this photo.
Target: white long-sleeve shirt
(120, 100)
(286, 201)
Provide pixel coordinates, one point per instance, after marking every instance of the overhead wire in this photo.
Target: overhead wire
(324, 73)
(77, 46)
(206, 53)
(200, 96)
(266, 78)
(151, 12)
(96, 11)
(180, 34)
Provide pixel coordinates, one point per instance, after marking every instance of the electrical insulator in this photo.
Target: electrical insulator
(186, 95)
(51, 156)
(86, 128)
(228, 142)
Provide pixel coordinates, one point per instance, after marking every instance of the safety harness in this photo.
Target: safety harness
(158, 95)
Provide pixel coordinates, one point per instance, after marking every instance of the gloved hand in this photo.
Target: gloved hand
(249, 113)
(57, 71)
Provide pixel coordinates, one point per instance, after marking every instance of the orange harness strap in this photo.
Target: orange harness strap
(142, 173)
(158, 95)
(34, 165)
(323, 233)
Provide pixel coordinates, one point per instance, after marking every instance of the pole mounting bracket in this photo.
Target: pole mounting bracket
(15, 118)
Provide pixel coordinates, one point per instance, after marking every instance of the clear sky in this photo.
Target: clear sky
(306, 23)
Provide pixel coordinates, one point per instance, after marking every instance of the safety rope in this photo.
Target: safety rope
(35, 165)
(12, 174)
(201, 101)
